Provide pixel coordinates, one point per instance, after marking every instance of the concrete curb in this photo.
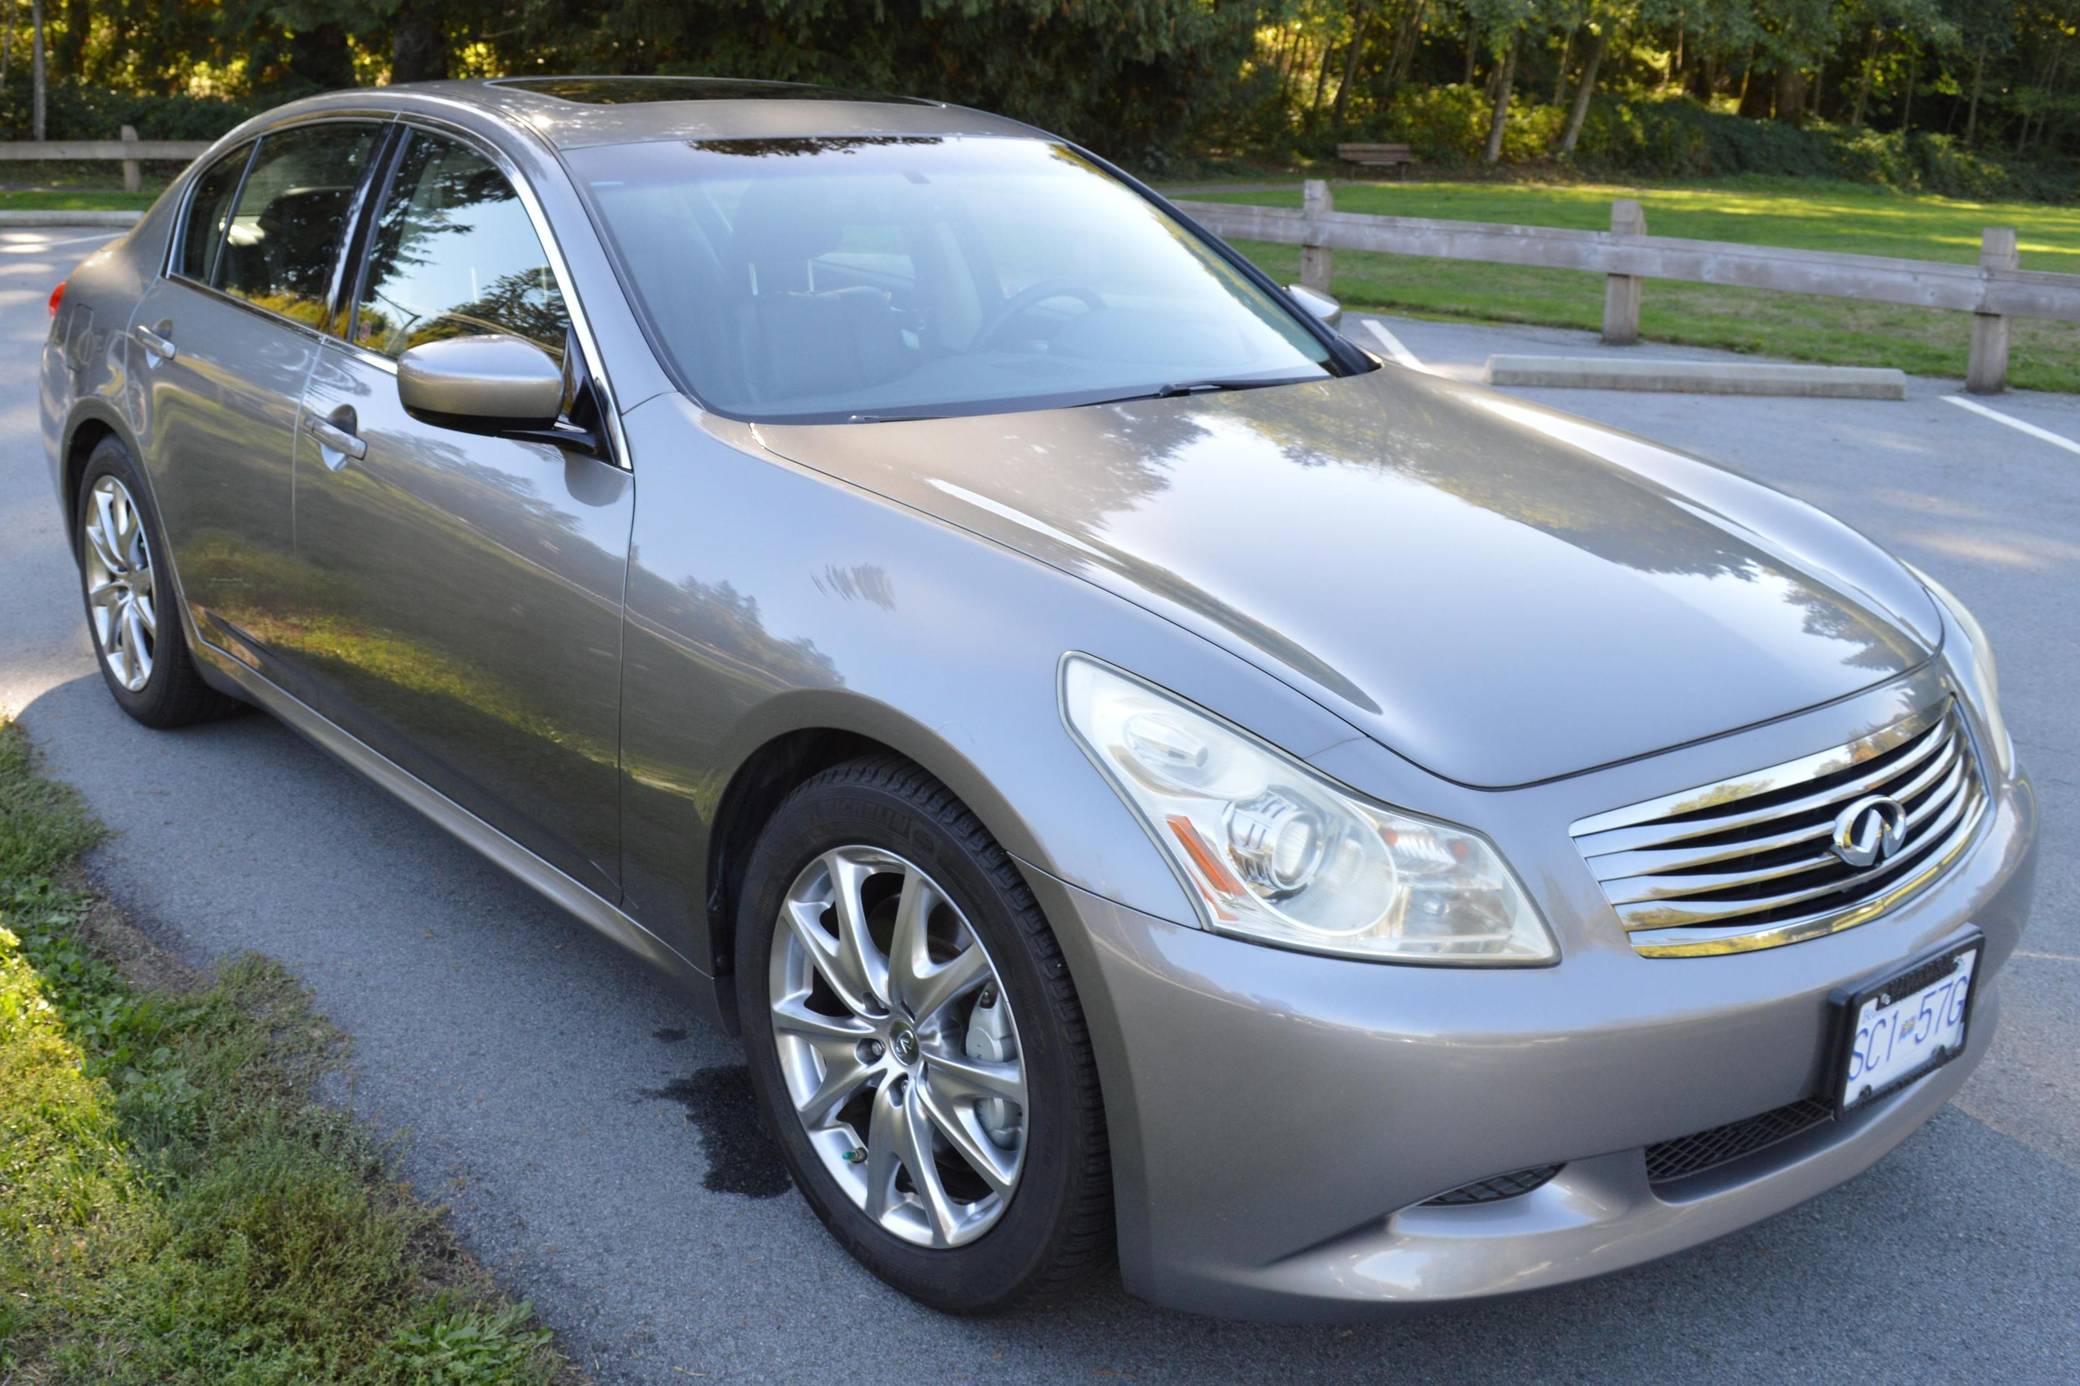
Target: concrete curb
(1698, 377)
(60, 218)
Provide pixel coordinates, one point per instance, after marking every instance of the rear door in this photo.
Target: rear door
(221, 348)
(466, 617)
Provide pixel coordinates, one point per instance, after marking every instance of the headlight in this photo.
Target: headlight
(1974, 669)
(1276, 853)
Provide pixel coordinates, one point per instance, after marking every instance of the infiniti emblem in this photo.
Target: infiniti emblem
(904, 1042)
(1870, 830)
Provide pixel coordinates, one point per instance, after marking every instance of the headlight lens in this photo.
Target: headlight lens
(1276, 853)
(1975, 669)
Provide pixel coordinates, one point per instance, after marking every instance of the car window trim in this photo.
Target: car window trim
(545, 236)
(177, 243)
(383, 122)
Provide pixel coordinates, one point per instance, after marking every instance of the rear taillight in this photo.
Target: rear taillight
(57, 297)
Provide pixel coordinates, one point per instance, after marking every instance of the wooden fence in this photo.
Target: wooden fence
(130, 149)
(1994, 291)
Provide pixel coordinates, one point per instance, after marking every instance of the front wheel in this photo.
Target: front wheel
(917, 1044)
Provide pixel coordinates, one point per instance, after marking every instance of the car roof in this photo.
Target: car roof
(572, 112)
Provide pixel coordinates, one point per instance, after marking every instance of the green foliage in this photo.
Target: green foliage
(73, 112)
(174, 1204)
(1447, 126)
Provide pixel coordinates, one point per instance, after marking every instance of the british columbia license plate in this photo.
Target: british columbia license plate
(1906, 1025)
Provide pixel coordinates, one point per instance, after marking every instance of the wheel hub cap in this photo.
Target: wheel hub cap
(898, 1047)
(116, 566)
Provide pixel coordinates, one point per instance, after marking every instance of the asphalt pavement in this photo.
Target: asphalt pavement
(596, 1145)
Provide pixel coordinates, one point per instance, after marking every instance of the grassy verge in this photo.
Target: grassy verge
(75, 199)
(1818, 216)
(175, 1205)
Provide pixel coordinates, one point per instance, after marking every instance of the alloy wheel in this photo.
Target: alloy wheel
(121, 592)
(898, 1045)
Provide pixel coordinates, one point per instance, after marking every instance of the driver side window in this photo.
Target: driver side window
(454, 254)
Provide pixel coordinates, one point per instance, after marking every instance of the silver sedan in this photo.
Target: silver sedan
(1143, 776)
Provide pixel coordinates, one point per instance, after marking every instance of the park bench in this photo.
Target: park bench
(1398, 156)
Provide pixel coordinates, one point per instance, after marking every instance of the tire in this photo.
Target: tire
(1054, 1225)
(162, 688)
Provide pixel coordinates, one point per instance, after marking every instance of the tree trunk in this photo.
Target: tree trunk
(6, 43)
(320, 57)
(1405, 40)
(1493, 153)
(1971, 120)
(1321, 81)
(1791, 96)
(1863, 85)
(1560, 73)
(418, 48)
(69, 48)
(1361, 24)
(36, 69)
(1582, 93)
(1472, 44)
(1906, 104)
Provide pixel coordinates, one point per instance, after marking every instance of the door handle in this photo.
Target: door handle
(161, 347)
(336, 438)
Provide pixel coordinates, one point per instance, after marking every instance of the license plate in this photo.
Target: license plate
(1908, 1024)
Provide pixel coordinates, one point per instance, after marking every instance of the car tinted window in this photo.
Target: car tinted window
(209, 212)
(883, 276)
(453, 254)
(285, 234)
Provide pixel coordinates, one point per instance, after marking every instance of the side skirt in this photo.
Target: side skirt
(553, 884)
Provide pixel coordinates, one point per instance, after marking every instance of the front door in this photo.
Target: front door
(221, 349)
(467, 618)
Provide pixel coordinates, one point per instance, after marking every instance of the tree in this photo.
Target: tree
(36, 126)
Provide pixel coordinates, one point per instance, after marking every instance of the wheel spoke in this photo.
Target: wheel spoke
(105, 593)
(866, 971)
(805, 920)
(843, 1075)
(931, 989)
(916, 1151)
(134, 643)
(127, 530)
(966, 1138)
(147, 616)
(908, 959)
(978, 1078)
(794, 1018)
(99, 539)
(884, 1150)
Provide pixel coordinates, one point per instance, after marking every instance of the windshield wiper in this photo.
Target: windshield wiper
(1200, 387)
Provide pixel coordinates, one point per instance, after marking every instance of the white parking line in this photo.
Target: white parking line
(38, 247)
(2031, 429)
(1401, 354)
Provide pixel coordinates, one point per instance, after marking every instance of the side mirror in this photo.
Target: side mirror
(481, 384)
(1324, 308)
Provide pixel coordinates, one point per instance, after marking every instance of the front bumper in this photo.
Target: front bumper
(1277, 1118)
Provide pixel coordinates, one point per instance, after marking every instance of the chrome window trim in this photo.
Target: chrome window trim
(581, 323)
(588, 341)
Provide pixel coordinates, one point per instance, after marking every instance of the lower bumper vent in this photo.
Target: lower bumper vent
(1722, 1145)
(1495, 1188)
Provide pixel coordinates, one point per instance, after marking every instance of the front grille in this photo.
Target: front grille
(1750, 863)
(1495, 1188)
(1722, 1145)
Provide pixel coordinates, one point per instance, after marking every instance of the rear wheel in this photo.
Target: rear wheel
(917, 1045)
(131, 609)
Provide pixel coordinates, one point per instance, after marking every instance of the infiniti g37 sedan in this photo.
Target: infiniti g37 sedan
(1142, 776)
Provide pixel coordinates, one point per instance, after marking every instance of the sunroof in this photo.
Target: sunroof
(628, 91)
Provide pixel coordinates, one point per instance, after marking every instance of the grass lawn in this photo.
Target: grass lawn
(76, 199)
(1811, 215)
(174, 1204)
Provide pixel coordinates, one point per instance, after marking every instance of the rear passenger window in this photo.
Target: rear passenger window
(454, 254)
(209, 212)
(285, 233)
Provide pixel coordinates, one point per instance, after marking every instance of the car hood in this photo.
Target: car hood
(1499, 592)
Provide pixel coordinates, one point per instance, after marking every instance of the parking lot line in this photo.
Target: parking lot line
(2031, 429)
(38, 247)
(1401, 354)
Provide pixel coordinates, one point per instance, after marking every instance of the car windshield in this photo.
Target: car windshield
(858, 279)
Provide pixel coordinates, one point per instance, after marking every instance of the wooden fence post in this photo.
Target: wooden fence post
(1317, 261)
(1621, 292)
(1987, 371)
(132, 180)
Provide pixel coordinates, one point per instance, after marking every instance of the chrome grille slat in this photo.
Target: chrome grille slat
(1627, 890)
(1634, 834)
(1733, 872)
(1615, 866)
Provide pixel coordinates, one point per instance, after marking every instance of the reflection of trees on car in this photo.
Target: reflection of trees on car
(454, 193)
